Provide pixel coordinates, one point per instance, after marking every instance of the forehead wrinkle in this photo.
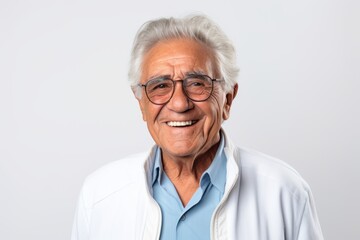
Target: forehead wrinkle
(172, 58)
(178, 69)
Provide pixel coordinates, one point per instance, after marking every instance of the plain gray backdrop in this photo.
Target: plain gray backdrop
(66, 108)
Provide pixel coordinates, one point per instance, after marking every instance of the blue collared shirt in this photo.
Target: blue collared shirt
(193, 220)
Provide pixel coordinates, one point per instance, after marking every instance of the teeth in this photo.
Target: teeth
(180, 124)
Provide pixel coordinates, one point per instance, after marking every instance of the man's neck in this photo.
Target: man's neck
(185, 172)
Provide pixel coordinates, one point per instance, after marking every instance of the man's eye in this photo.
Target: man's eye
(162, 85)
(197, 84)
(159, 86)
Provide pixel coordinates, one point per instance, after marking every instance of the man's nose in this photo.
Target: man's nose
(179, 102)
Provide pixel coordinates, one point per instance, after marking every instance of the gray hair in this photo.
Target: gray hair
(199, 28)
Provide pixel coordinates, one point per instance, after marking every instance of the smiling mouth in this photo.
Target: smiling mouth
(180, 123)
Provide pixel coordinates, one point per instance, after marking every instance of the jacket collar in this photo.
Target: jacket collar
(233, 166)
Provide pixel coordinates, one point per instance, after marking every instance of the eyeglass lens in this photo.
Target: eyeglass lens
(197, 88)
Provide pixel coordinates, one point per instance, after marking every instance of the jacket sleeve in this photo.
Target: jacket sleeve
(81, 227)
(309, 226)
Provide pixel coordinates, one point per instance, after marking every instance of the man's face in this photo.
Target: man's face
(182, 127)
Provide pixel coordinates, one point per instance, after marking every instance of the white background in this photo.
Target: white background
(66, 107)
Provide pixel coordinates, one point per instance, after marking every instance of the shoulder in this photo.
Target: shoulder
(113, 177)
(271, 173)
(122, 169)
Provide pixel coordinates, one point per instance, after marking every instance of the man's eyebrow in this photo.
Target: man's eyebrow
(159, 77)
(164, 77)
(190, 73)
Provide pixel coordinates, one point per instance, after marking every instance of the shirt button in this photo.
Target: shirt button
(183, 218)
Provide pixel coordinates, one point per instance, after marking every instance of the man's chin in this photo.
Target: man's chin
(179, 152)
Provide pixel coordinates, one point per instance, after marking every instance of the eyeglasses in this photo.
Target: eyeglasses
(196, 87)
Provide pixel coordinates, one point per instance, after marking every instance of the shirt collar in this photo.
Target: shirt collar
(216, 170)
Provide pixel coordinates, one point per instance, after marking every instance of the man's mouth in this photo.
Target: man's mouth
(180, 123)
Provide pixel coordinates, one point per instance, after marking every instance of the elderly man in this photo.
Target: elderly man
(194, 183)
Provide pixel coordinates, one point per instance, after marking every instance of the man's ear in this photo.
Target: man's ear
(228, 101)
(141, 104)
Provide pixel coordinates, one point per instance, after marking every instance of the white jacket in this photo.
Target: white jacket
(264, 199)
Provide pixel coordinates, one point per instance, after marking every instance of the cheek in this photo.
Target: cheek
(150, 112)
(214, 114)
(217, 106)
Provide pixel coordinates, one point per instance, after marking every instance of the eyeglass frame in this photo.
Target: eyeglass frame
(182, 85)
